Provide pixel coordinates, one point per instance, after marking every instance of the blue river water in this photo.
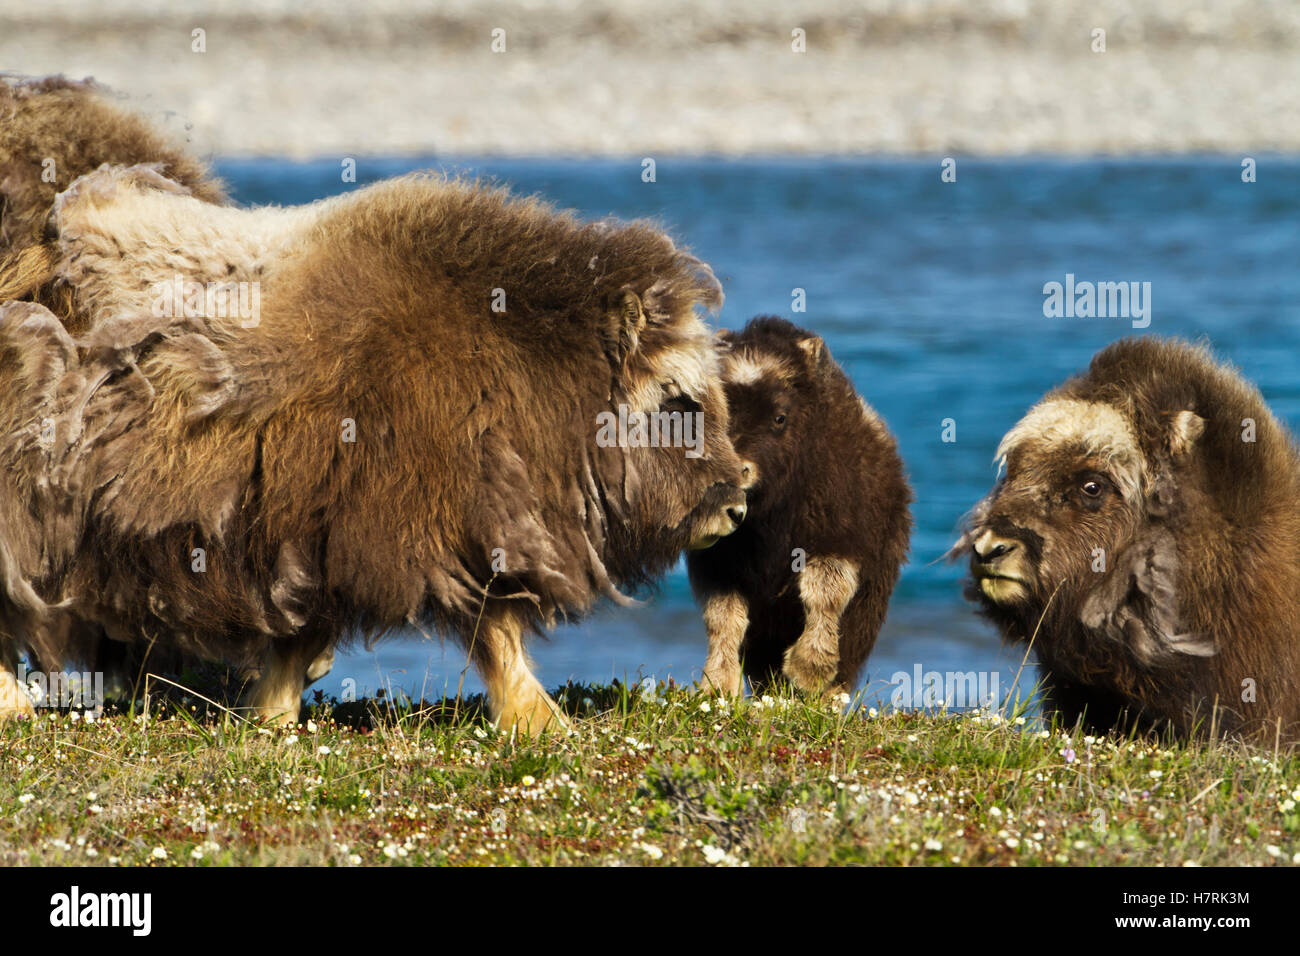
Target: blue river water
(931, 295)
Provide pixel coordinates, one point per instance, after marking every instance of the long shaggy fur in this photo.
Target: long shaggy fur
(52, 131)
(1150, 512)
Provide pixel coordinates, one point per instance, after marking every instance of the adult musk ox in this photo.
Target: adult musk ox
(402, 429)
(801, 588)
(1146, 536)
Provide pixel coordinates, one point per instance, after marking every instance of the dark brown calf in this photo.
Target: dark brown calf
(802, 588)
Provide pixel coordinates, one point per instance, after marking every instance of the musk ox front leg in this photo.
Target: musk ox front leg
(826, 585)
(726, 619)
(14, 701)
(517, 699)
(290, 666)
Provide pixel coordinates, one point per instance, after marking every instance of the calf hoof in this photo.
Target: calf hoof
(809, 672)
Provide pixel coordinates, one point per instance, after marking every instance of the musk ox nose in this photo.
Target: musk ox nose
(737, 513)
(989, 547)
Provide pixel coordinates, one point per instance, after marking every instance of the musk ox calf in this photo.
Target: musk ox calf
(1146, 537)
(801, 588)
(278, 427)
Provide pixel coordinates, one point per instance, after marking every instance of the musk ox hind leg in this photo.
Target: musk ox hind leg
(518, 701)
(826, 585)
(726, 619)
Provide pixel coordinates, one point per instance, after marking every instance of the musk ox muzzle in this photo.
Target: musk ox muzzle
(719, 514)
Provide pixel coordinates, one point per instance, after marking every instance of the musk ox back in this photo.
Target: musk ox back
(1149, 518)
(52, 131)
(802, 588)
(405, 431)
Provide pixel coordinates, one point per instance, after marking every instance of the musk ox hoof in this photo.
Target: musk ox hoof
(532, 718)
(808, 669)
(14, 701)
(723, 681)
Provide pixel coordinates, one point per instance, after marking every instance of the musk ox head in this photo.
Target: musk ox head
(775, 376)
(680, 478)
(1106, 486)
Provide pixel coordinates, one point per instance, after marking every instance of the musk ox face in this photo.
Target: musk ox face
(770, 373)
(1070, 495)
(669, 425)
(1078, 541)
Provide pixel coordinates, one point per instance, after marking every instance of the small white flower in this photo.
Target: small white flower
(872, 712)
(159, 853)
(527, 780)
(704, 707)
(196, 854)
(933, 845)
(1273, 851)
(713, 854)
(323, 751)
(290, 740)
(480, 733)
(652, 851)
(26, 798)
(1156, 774)
(311, 727)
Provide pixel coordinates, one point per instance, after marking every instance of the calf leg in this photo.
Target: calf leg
(516, 697)
(826, 585)
(726, 618)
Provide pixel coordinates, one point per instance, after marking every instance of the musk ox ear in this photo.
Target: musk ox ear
(1136, 604)
(814, 350)
(625, 318)
(1185, 428)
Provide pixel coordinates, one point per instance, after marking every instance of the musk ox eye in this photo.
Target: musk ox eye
(681, 403)
(779, 421)
(1092, 488)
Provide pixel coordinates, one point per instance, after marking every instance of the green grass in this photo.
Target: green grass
(673, 778)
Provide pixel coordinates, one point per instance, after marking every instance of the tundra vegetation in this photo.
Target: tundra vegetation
(658, 775)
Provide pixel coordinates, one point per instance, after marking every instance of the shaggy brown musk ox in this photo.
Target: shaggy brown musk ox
(378, 446)
(801, 588)
(1147, 529)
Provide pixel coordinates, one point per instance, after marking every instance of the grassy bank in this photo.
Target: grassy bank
(672, 777)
